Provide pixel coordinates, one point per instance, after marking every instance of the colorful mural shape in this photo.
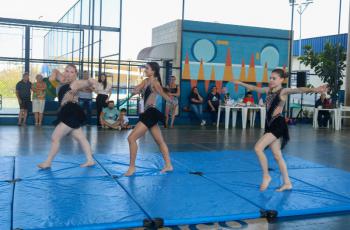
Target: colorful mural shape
(242, 76)
(204, 50)
(201, 72)
(186, 70)
(212, 78)
(208, 61)
(228, 74)
(251, 70)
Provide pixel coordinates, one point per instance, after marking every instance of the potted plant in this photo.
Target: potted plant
(329, 65)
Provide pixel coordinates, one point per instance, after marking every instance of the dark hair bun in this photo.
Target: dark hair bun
(280, 72)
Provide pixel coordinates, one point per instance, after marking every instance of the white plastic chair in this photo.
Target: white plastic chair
(341, 110)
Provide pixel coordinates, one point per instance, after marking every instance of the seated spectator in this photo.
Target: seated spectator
(213, 103)
(122, 120)
(225, 95)
(196, 104)
(249, 99)
(323, 115)
(227, 98)
(108, 118)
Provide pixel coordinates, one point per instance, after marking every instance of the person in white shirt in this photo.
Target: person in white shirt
(103, 91)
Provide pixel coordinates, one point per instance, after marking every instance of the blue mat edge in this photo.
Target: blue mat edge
(221, 218)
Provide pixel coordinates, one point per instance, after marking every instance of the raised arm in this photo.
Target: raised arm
(55, 76)
(139, 87)
(320, 89)
(82, 84)
(200, 99)
(252, 87)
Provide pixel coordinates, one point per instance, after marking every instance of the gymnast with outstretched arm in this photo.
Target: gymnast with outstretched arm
(276, 133)
(148, 120)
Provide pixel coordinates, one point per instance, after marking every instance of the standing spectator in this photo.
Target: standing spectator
(85, 99)
(23, 88)
(171, 109)
(323, 115)
(39, 93)
(103, 90)
(196, 104)
(213, 103)
(108, 118)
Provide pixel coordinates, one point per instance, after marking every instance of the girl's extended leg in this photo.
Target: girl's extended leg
(139, 130)
(79, 135)
(277, 153)
(60, 131)
(158, 137)
(262, 143)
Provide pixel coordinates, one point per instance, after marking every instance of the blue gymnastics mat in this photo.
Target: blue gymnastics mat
(204, 187)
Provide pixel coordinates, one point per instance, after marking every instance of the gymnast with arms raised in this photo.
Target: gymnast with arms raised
(276, 133)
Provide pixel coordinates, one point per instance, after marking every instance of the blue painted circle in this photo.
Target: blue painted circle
(271, 56)
(204, 49)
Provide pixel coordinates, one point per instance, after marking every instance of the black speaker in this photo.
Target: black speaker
(301, 79)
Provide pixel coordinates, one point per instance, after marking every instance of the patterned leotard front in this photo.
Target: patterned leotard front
(275, 122)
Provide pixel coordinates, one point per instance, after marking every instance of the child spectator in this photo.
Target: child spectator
(122, 120)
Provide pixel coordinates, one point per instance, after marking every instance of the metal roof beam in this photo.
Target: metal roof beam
(54, 25)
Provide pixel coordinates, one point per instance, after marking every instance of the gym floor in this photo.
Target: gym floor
(323, 146)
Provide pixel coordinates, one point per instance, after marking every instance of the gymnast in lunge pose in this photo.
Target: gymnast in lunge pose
(70, 115)
(148, 120)
(276, 130)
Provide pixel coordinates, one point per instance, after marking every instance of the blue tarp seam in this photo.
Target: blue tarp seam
(222, 186)
(325, 190)
(127, 192)
(227, 189)
(63, 178)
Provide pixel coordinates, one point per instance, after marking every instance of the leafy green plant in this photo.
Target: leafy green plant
(329, 65)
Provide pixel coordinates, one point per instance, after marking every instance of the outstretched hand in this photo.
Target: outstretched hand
(236, 81)
(322, 89)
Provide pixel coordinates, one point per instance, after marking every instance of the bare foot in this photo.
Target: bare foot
(265, 183)
(130, 171)
(44, 165)
(88, 164)
(167, 168)
(285, 187)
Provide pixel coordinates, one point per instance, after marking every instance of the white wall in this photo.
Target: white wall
(313, 79)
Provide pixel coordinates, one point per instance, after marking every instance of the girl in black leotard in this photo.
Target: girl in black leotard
(70, 115)
(276, 130)
(148, 120)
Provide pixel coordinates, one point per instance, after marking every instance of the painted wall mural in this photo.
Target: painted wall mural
(214, 58)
